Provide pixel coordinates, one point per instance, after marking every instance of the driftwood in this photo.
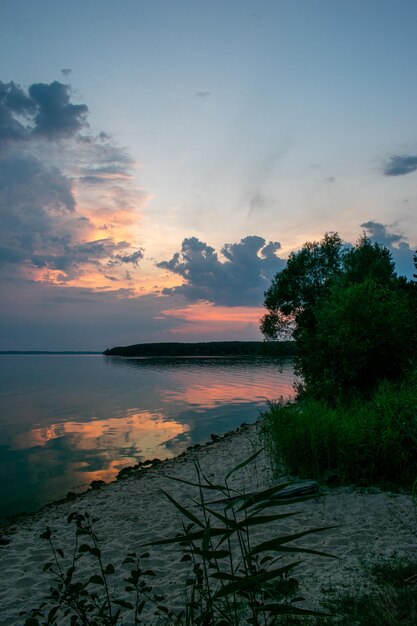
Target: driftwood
(296, 491)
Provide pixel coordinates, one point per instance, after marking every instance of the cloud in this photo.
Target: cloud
(238, 280)
(66, 71)
(15, 107)
(44, 110)
(400, 249)
(133, 258)
(399, 165)
(61, 188)
(55, 115)
(203, 94)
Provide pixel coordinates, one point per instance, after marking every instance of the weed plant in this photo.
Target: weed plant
(232, 579)
(360, 441)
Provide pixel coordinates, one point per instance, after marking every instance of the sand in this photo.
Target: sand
(133, 511)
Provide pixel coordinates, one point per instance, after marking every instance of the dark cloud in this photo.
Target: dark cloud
(66, 71)
(239, 280)
(44, 110)
(203, 94)
(56, 116)
(60, 185)
(133, 258)
(400, 249)
(37, 209)
(399, 165)
(15, 106)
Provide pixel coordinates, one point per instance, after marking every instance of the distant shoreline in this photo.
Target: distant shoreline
(180, 349)
(35, 352)
(207, 349)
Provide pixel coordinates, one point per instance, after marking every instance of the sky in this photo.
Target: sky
(160, 159)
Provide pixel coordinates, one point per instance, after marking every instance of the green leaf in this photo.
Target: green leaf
(96, 580)
(60, 552)
(187, 538)
(224, 576)
(283, 501)
(183, 510)
(47, 534)
(243, 464)
(124, 604)
(230, 523)
(287, 609)
(128, 560)
(241, 585)
(84, 547)
(211, 554)
(277, 543)
(259, 496)
(95, 552)
(192, 484)
(250, 498)
(254, 520)
(52, 613)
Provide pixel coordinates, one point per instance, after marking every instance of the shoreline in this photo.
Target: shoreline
(132, 511)
(136, 470)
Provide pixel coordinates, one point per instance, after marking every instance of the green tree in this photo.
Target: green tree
(351, 316)
(298, 287)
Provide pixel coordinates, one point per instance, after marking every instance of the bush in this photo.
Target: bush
(360, 442)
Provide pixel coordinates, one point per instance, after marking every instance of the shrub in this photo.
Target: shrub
(359, 441)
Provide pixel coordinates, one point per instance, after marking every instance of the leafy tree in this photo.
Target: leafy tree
(297, 288)
(351, 316)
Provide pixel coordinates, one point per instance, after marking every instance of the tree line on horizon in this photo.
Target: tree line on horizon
(209, 348)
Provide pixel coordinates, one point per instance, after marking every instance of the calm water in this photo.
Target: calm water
(67, 420)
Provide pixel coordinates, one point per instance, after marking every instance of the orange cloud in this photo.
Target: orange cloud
(205, 318)
(207, 312)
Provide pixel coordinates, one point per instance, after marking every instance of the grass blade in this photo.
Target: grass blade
(274, 544)
(183, 510)
(243, 464)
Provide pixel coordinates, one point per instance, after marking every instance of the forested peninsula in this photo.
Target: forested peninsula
(210, 348)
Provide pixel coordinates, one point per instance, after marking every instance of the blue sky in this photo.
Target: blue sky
(208, 123)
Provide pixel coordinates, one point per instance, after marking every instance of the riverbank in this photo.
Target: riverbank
(133, 511)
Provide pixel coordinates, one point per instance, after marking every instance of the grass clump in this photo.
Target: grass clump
(358, 441)
(392, 600)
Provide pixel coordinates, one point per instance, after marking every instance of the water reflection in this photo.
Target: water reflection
(69, 420)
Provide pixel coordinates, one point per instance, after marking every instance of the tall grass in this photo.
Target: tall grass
(390, 600)
(358, 441)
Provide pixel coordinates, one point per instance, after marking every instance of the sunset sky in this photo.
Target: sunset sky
(159, 159)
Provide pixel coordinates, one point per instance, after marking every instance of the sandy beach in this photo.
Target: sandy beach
(133, 511)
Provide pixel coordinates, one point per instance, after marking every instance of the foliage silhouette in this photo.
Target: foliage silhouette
(352, 317)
